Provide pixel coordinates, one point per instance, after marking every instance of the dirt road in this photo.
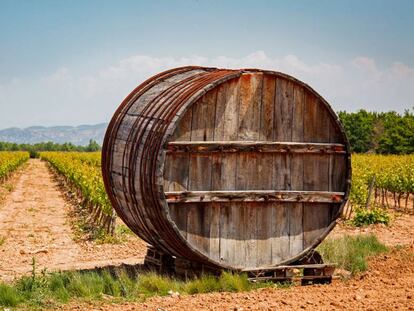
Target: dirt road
(34, 224)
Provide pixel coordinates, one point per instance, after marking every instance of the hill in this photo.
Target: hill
(77, 135)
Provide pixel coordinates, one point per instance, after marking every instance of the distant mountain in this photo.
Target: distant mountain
(78, 135)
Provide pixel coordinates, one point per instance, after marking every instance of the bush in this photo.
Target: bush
(350, 252)
(364, 217)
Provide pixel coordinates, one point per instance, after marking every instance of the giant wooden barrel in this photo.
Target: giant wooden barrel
(235, 169)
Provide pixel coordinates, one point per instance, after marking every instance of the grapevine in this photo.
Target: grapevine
(394, 179)
(82, 173)
(10, 161)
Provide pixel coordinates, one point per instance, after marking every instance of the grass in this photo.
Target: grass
(351, 252)
(51, 290)
(9, 297)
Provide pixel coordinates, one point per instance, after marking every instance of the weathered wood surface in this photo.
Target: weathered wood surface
(253, 146)
(254, 196)
(267, 141)
(254, 171)
(309, 266)
(315, 172)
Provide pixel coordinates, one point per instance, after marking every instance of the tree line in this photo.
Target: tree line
(379, 132)
(49, 146)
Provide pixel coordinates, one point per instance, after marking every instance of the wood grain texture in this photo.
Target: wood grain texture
(253, 147)
(257, 180)
(296, 214)
(266, 176)
(316, 169)
(251, 91)
(254, 196)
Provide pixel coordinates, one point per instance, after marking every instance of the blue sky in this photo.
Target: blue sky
(72, 62)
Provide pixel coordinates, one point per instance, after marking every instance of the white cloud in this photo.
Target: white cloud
(366, 64)
(67, 98)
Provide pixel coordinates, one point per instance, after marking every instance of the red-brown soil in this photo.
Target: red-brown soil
(399, 232)
(34, 223)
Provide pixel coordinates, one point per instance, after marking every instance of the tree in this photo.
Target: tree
(93, 146)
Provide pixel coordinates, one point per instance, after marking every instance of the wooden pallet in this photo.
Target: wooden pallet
(307, 273)
(318, 273)
(158, 261)
(185, 268)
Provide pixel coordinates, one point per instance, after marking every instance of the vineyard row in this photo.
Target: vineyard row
(10, 161)
(82, 174)
(391, 176)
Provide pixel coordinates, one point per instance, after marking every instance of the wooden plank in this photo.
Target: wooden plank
(283, 267)
(249, 129)
(176, 174)
(202, 129)
(296, 173)
(198, 221)
(176, 170)
(226, 247)
(179, 214)
(280, 233)
(232, 250)
(183, 130)
(214, 233)
(250, 106)
(316, 169)
(200, 172)
(224, 166)
(298, 115)
(265, 173)
(226, 122)
(264, 235)
(200, 168)
(253, 146)
(250, 242)
(254, 196)
(295, 214)
(337, 166)
(281, 169)
(283, 110)
(246, 179)
(224, 169)
(294, 278)
(203, 117)
(267, 113)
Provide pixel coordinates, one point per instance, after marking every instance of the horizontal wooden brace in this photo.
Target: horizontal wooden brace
(254, 196)
(253, 146)
(294, 278)
(283, 267)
